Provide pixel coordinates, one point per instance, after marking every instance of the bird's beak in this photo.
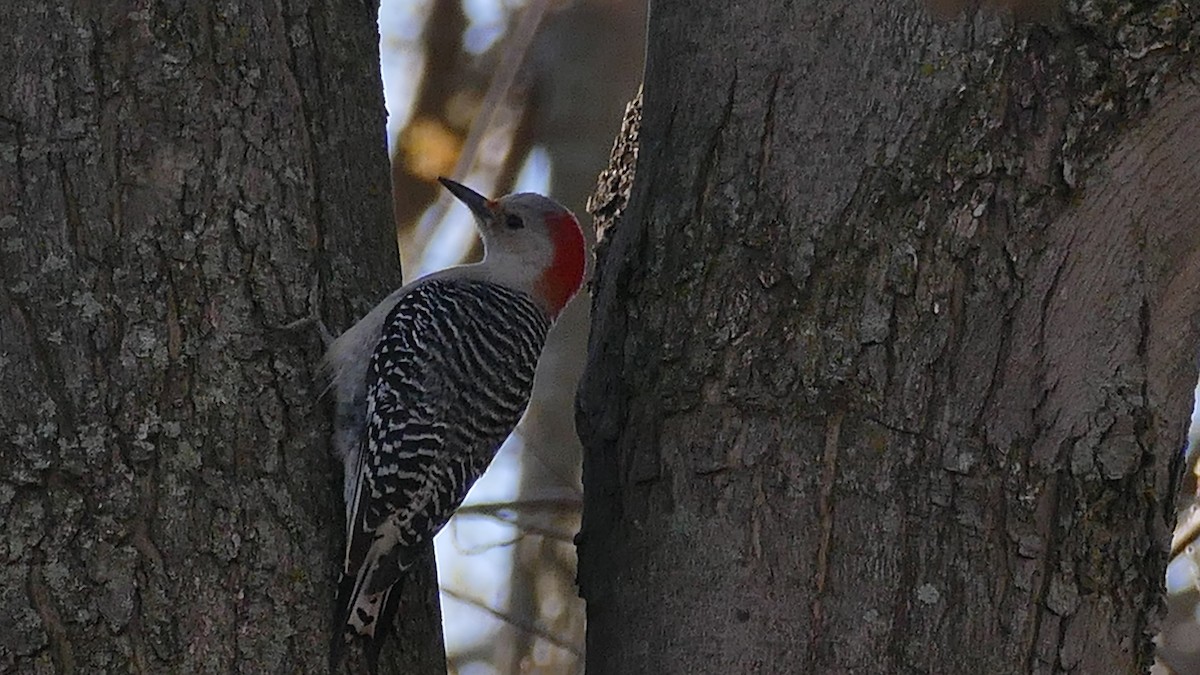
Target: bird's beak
(481, 206)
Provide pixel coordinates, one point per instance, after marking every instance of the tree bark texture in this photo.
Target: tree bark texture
(176, 179)
(893, 345)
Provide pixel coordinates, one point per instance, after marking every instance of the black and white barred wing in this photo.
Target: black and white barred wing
(447, 383)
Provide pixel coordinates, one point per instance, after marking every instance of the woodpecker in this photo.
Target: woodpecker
(430, 383)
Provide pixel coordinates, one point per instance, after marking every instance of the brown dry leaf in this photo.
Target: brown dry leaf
(430, 149)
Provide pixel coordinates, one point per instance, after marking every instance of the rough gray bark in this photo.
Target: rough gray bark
(892, 349)
(173, 180)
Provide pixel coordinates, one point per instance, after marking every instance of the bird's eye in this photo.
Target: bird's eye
(514, 222)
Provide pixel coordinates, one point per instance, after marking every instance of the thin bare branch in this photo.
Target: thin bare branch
(552, 505)
(1186, 531)
(518, 623)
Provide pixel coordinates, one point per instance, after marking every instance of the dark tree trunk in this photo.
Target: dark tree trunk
(174, 179)
(892, 349)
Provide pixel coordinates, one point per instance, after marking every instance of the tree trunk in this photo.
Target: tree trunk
(892, 348)
(175, 180)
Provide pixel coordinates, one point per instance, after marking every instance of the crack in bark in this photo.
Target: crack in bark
(1045, 563)
(48, 363)
(768, 132)
(60, 642)
(73, 220)
(137, 641)
(997, 373)
(825, 506)
(316, 218)
(709, 160)
(896, 428)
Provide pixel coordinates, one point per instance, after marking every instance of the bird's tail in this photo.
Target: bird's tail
(363, 615)
(389, 606)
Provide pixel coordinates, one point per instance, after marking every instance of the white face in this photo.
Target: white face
(517, 229)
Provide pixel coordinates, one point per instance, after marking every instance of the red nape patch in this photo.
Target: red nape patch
(559, 283)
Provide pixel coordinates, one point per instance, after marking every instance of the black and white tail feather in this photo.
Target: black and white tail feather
(357, 612)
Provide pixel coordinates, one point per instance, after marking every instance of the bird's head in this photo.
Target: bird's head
(530, 242)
